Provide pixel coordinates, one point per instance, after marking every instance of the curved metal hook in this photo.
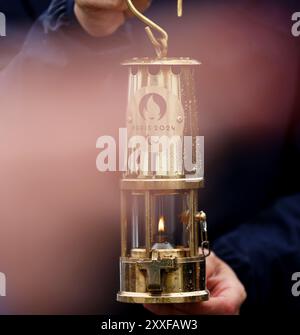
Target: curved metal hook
(160, 43)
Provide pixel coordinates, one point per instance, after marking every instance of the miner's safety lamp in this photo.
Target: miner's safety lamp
(164, 236)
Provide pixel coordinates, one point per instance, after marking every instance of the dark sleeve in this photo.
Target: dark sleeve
(265, 253)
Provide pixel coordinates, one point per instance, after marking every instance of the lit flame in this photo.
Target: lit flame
(161, 224)
(152, 109)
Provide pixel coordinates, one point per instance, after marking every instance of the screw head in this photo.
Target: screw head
(179, 119)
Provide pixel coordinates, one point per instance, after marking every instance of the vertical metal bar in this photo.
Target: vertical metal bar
(148, 222)
(123, 224)
(179, 7)
(135, 222)
(196, 224)
(153, 217)
(192, 222)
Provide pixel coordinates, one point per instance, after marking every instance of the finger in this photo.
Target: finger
(100, 23)
(96, 5)
(221, 306)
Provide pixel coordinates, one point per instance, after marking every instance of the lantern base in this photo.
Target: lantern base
(171, 298)
(167, 277)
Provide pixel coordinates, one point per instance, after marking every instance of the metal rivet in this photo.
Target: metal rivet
(179, 119)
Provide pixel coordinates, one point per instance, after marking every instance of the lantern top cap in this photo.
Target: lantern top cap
(181, 61)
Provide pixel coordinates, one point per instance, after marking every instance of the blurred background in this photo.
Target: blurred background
(61, 90)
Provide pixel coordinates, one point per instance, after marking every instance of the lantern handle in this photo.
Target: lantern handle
(160, 43)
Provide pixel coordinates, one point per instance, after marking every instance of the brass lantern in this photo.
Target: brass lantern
(164, 236)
